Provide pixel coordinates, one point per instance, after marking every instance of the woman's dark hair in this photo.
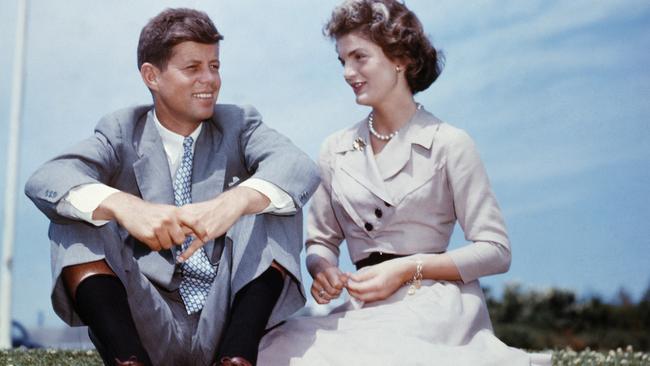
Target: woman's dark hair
(171, 27)
(394, 28)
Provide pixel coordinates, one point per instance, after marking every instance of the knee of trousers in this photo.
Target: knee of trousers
(80, 242)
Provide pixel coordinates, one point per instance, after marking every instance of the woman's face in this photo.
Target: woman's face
(372, 76)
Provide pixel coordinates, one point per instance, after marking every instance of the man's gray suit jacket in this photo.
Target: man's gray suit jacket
(126, 152)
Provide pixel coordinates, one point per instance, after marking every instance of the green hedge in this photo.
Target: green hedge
(557, 318)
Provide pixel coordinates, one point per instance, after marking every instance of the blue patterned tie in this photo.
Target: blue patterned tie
(197, 272)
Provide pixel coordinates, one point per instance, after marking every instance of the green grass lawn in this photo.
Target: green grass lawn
(51, 357)
(48, 357)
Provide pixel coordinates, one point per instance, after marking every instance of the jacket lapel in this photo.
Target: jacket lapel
(393, 157)
(208, 171)
(398, 152)
(360, 163)
(152, 169)
(154, 183)
(408, 164)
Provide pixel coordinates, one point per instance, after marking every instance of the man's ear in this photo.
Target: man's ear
(150, 75)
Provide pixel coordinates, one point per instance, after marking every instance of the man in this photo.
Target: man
(176, 228)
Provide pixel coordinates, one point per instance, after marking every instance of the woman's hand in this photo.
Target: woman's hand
(328, 284)
(374, 283)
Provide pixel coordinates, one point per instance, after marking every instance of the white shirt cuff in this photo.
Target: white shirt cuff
(80, 202)
(281, 203)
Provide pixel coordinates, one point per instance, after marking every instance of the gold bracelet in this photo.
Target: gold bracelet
(416, 281)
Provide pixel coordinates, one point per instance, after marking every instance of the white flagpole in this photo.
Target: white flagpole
(9, 226)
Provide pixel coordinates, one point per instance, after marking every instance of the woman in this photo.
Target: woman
(393, 186)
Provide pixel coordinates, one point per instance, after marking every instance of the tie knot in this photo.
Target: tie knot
(187, 143)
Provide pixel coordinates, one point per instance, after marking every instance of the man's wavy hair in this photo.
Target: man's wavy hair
(394, 28)
(171, 27)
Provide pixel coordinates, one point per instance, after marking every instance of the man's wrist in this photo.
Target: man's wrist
(109, 208)
(280, 202)
(248, 200)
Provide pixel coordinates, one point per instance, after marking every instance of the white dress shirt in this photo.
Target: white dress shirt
(80, 202)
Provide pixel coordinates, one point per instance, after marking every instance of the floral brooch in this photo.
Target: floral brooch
(359, 144)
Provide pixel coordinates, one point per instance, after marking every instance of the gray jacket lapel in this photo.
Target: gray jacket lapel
(152, 169)
(208, 172)
(154, 182)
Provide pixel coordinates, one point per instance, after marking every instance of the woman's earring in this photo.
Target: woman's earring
(398, 69)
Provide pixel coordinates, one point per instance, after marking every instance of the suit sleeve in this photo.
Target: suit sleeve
(477, 211)
(93, 160)
(272, 157)
(280, 202)
(324, 233)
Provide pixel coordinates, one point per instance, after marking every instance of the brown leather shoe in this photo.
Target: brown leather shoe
(132, 361)
(234, 361)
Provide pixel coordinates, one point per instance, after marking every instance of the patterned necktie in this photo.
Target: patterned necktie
(197, 273)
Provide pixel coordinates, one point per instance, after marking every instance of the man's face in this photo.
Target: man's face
(186, 90)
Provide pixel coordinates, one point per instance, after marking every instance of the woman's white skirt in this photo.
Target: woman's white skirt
(443, 323)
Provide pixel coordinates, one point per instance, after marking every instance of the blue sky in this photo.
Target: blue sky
(556, 95)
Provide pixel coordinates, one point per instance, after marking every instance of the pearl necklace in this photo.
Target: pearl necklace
(371, 127)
